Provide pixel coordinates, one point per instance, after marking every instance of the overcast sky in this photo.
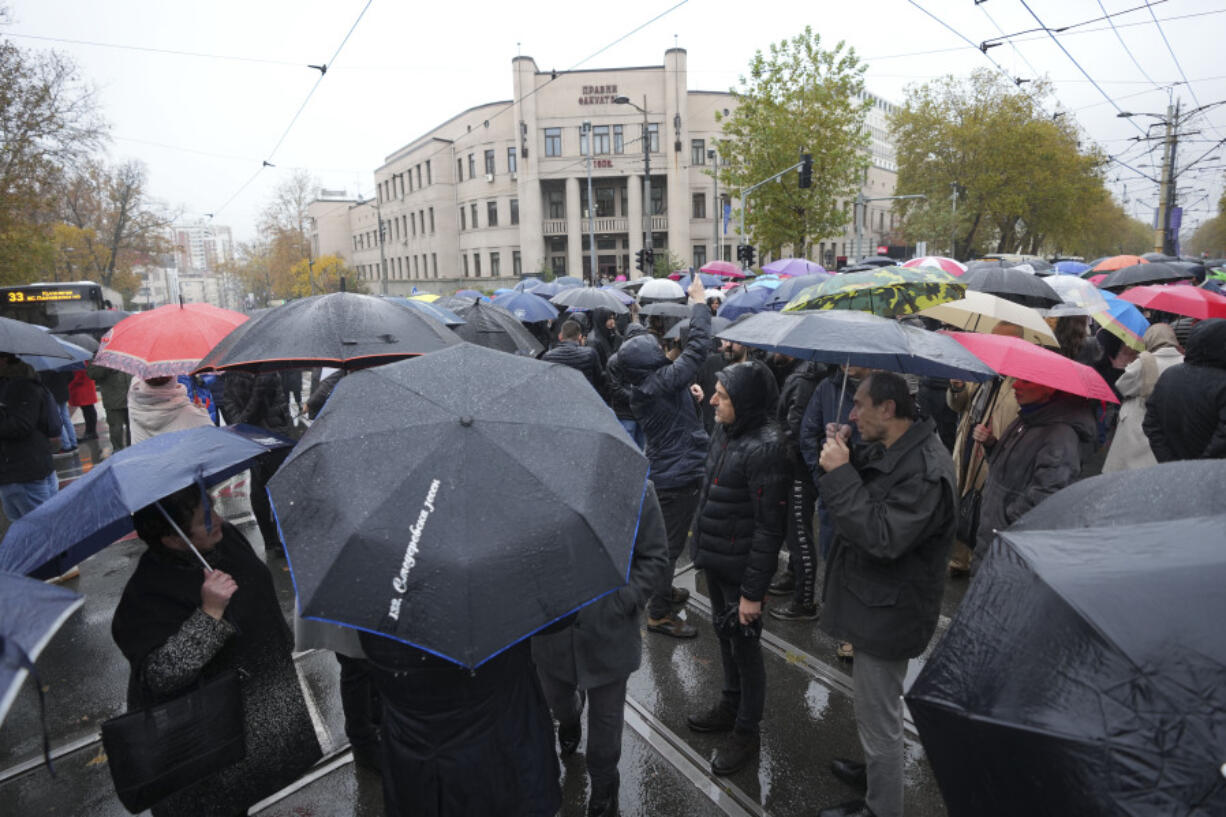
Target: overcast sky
(203, 124)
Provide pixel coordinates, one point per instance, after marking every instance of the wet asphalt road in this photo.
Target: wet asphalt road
(664, 768)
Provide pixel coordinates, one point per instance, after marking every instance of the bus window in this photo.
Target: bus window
(43, 303)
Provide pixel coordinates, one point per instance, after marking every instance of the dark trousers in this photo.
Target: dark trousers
(825, 533)
(802, 550)
(261, 471)
(605, 718)
(90, 415)
(117, 425)
(678, 506)
(744, 670)
(359, 701)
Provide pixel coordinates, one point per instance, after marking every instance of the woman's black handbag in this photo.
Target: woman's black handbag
(161, 749)
(968, 518)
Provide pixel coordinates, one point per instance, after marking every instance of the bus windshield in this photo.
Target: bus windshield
(44, 303)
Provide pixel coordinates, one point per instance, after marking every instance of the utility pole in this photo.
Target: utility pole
(953, 226)
(716, 215)
(1165, 196)
(861, 207)
(647, 214)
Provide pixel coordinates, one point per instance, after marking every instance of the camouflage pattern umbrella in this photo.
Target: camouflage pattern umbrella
(887, 291)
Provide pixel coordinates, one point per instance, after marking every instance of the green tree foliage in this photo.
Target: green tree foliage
(799, 97)
(266, 265)
(322, 275)
(1024, 182)
(1210, 237)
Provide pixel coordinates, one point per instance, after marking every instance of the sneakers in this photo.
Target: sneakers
(719, 718)
(679, 596)
(786, 583)
(671, 625)
(736, 753)
(845, 651)
(795, 612)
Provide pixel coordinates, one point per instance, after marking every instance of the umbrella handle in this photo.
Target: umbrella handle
(207, 567)
(842, 393)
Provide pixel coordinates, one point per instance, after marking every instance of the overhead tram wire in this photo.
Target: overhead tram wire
(1184, 76)
(1128, 50)
(152, 50)
(1063, 29)
(323, 71)
(1033, 71)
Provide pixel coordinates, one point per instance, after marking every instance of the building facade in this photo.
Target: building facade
(501, 190)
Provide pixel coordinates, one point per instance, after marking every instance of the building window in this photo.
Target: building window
(429, 179)
(512, 165)
(431, 221)
(553, 141)
(558, 264)
(619, 140)
(600, 139)
(413, 222)
(698, 152)
(463, 217)
(517, 264)
(495, 265)
(658, 207)
(434, 263)
(700, 255)
(557, 204)
(700, 205)
(459, 170)
(464, 258)
(491, 213)
(477, 265)
(604, 202)
(416, 269)
(514, 211)
(474, 209)
(472, 165)
(489, 162)
(653, 137)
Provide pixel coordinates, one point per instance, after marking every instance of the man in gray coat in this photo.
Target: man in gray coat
(891, 500)
(593, 658)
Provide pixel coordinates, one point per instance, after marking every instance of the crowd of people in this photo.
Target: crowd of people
(863, 471)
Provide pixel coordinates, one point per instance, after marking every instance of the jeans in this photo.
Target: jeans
(19, 498)
(678, 506)
(635, 432)
(68, 433)
(877, 684)
(825, 533)
(802, 551)
(744, 670)
(605, 718)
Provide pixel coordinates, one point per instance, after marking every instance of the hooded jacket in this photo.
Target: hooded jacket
(662, 405)
(154, 410)
(605, 342)
(742, 511)
(582, 358)
(1185, 417)
(799, 383)
(615, 377)
(893, 515)
(1039, 453)
(25, 455)
(257, 400)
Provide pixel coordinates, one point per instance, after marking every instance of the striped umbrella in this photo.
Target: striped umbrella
(937, 262)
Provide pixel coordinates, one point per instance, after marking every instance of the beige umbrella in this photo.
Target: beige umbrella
(981, 311)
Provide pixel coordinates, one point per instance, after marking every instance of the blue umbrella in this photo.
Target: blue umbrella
(793, 267)
(96, 510)
(77, 359)
(527, 306)
(620, 294)
(528, 284)
(792, 287)
(502, 291)
(472, 293)
(440, 313)
(549, 289)
(1123, 320)
(709, 281)
(30, 614)
(1070, 267)
(568, 281)
(744, 302)
(769, 281)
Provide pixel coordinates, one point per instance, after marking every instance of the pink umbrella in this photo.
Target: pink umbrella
(1097, 279)
(938, 262)
(620, 278)
(1015, 357)
(1190, 301)
(724, 268)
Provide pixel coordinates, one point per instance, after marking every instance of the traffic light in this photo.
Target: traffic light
(806, 170)
(644, 261)
(740, 252)
(750, 254)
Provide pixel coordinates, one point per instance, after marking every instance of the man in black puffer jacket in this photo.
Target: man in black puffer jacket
(737, 534)
(1185, 416)
(661, 400)
(619, 390)
(572, 352)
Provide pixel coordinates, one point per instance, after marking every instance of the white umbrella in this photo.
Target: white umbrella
(1079, 295)
(661, 289)
(982, 311)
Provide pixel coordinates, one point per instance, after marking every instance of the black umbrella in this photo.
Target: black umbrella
(589, 298)
(495, 328)
(1014, 285)
(343, 330)
(666, 309)
(1085, 671)
(718, 324)
(92, 323)
(1155, 272)
(429, 502)
(1158, 256)
(20, 338)
(87, 342)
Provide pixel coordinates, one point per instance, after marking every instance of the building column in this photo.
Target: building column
(531, 227)
(574, 229)
(634, 220)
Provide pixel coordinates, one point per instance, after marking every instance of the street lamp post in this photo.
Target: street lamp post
(591, 205)
(625, 100)
(382, 258)
(716, 215)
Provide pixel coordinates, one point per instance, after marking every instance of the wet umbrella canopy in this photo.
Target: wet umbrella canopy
(495, 328)
(450, 501)
(1085, 671)
(886, 291)
(341, 330)
(20, 338)
(30, 614)
(1011, 284)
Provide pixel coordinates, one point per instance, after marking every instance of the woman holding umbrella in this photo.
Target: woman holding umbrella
(177, 624)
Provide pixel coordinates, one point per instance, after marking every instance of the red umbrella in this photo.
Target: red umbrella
(1114, 262)
(169, 340)
(1015, 357)
(724, 268)
(1180, 300)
